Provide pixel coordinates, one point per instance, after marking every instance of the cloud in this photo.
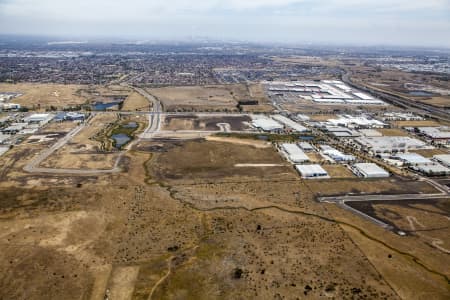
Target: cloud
(411, 20)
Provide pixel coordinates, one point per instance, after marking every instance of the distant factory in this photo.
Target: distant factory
(323, 92)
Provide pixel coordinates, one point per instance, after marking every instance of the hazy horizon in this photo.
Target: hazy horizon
(386, 23)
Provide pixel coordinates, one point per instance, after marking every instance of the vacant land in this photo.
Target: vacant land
(392, 132)
(42, 96)
(430, 152)
(92, 147)
(136, 102)
(183, 222)
(425, 123)
(368, 186)
(395, 261)
(194, 122)
(440, 101)
(201, 98)
(210, 160)
(338, 171)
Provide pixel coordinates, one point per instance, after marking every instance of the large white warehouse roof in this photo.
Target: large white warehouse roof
(267, 124)
(370, 170)
(312, 171)
(294, 153)
(413, 158)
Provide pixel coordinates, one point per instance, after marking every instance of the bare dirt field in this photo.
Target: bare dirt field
(193, 122)
(441, 101)
(334, 187)
(41, 96)
(201, 98)
(211, 160)
(425, 123)
(430, 152)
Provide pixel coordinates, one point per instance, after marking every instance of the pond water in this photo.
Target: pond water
(120, 139)
(420, 94)
(100, 106)
(130, 125)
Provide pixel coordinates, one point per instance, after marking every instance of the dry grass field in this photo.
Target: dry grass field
(368, 186)
(412, 264)
(392, 132)
(441, 101)
(431, 152)
(182, 222)
(201, 98)
(338, 171)
(136, 102)
(44, 95)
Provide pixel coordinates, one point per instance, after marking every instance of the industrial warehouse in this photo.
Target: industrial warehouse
(294, 153)
(312, 172)
(323, 92)
(369, 170)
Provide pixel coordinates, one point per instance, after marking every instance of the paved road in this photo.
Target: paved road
(341, 200)
(153, 127)
(422, 107)
(154, 118)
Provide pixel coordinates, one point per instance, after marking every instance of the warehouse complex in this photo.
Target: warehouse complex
(390, 144)
(294, 126)
(322, 92)
(267, 124)
(443, 159)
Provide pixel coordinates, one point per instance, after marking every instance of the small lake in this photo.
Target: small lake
(130, 125)
(420, 94)
(120, 139)
(100, 106)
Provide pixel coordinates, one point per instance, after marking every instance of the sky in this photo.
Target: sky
(347, 22)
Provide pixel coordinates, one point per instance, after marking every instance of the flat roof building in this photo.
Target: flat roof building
(39, 118)
(312, 172)
(335, 154)
(443, 159)
(294, 153)
(267, 124)
(432, 169)
(306, 146)
(356, 122)
(3, 150)
(289, 123)
(412, 159)
(369, 170)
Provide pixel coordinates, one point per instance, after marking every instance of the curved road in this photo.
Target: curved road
(153, 127)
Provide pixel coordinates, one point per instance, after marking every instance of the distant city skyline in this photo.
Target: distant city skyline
(364, 22)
